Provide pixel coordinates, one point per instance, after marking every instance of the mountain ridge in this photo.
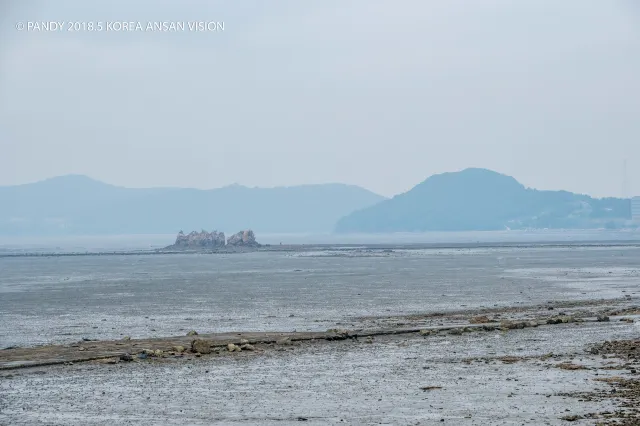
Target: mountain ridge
(80, 205)
(476, 199)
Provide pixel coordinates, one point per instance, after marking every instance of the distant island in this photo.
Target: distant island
(214, 241)
(483, 200)
(79, 205)
(473, 199)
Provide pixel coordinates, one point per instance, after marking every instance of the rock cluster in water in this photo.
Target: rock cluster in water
(214, 240)
(244, 239)
(201, 239)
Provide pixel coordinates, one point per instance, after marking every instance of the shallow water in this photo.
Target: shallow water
(63, 299)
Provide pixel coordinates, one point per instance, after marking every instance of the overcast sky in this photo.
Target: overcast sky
(376, 93)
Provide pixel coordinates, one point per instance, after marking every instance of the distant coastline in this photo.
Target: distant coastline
(471, 200)
(78, 205)
(352, 249)
(157, 242)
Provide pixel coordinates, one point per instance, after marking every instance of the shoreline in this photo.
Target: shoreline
(427, 324)
(354, 247)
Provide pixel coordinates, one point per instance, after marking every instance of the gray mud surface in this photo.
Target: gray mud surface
(48, 300)
(376, 367)
(477, 378)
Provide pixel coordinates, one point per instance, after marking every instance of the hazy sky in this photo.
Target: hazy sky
(377, 93)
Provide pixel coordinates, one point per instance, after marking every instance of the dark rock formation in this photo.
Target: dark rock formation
(243, 239)
(199, 240)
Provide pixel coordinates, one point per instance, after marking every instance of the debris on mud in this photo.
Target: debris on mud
(429, 388)
(339, 334)
(625, 391)
(285, 341)
(482, 319)
(626, 348)
(513, 325)
(201, 346)
(510, 359)
(184, 347)
(570, 366)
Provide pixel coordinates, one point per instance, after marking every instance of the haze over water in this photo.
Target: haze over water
(146, 242)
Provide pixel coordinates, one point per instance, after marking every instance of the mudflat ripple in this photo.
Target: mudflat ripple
(63, 299)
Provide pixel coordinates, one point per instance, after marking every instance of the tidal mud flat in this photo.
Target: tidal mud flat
(558, 363)
(57, 300)
(463, 336)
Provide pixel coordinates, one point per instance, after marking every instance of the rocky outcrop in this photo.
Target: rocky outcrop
(199, 240)
(214, 241)
(243, 239)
